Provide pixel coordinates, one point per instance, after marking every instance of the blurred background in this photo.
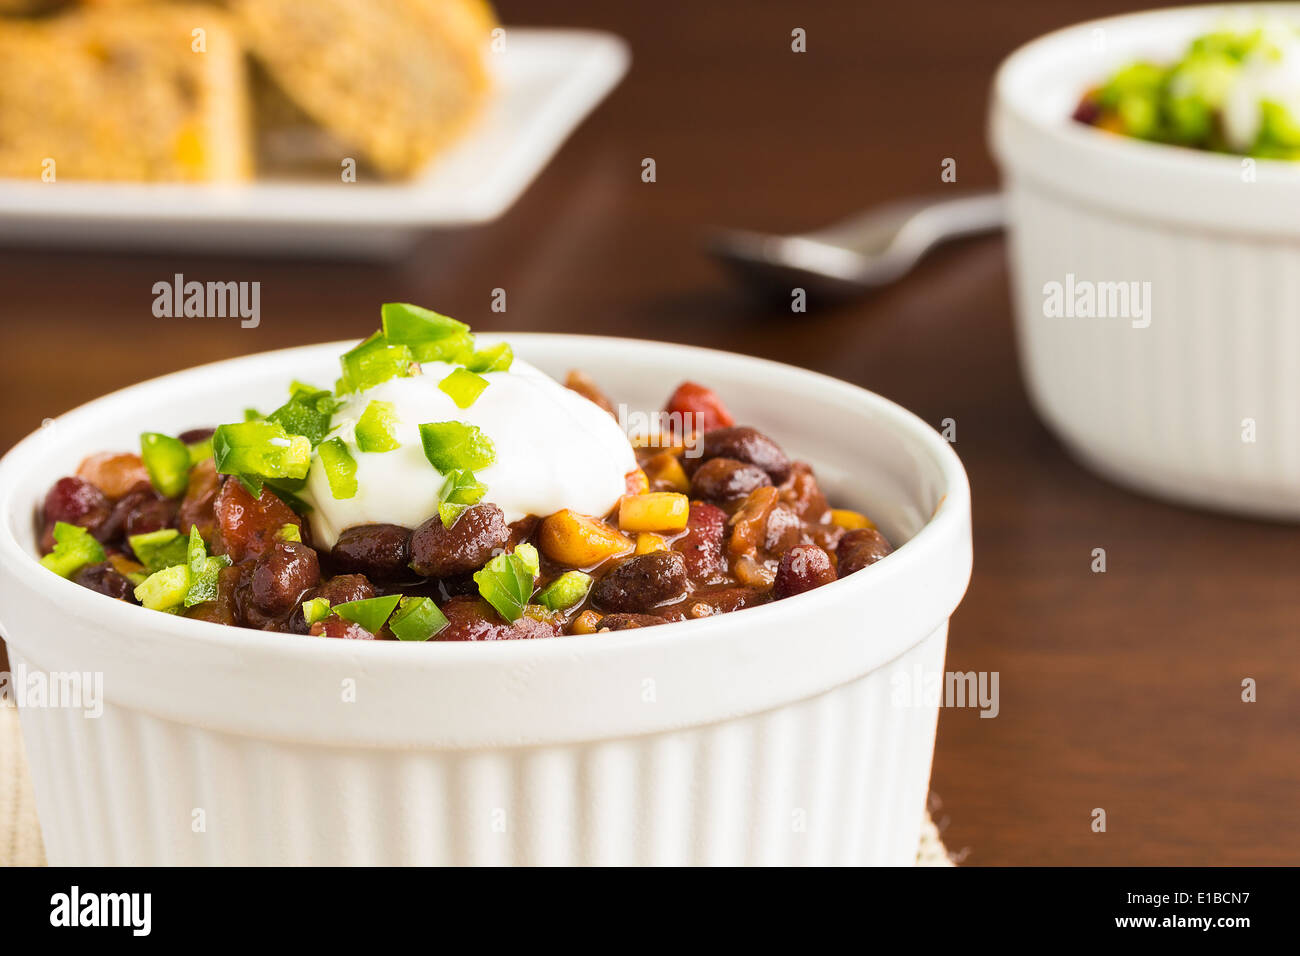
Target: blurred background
(1117, 690)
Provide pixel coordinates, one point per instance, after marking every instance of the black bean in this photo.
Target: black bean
(196, 435)
(105, 579)
(860, 548)
(802, 568)
(643, 582)
(379, 551)
(744, 444)
(282, 577)
(343, 588)
(439, 552)
(726, 479)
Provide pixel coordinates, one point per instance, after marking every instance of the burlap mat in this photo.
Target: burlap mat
(20, 834)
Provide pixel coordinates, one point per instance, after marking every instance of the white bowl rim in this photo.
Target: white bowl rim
(1080, 133)
(1132, 177)
(947, 522)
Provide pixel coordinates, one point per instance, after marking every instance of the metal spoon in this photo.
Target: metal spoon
(871, 249)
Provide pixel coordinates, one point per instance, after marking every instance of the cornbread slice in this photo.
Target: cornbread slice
(122, 94)
(396, 81)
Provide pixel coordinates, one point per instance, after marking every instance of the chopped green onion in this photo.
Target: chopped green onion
(340, 468)
(453, 445)
(376, 429)
(432, 337)
(253, 415)
(167, 460)
(200, 450)
(460, 490)
(74, 548)
(203, 570)
(165, 590)
(506, 582)
(463, 386)
(565, 591)
(159, 549)
(374, 362)
(289, 532)
(370, 613)
(315, 610)
(307, 412)
(495, 358)
(417, 619)
(260, 450)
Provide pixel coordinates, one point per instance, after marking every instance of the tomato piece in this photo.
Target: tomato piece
(702, 404)
(249, 525)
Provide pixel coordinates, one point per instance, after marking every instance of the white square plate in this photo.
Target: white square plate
(547, 83)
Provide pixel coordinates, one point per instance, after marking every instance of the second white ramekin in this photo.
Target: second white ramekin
(1199, 401)
(772, 735)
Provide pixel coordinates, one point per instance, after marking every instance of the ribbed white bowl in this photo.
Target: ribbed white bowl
(766, 736)
(1203, 404)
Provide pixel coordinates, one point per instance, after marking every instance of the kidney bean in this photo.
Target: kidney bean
(470, 618)
(438, 551)
(248, 526)
(379, 551)
(343, 629)
(726, 479)
(701, 545)
(114, 473)
(743, 444)
(105, 579)
(641, 583)
(625, 622)
(802, 568)
(282, 576)
(75, 501)
(860, 548)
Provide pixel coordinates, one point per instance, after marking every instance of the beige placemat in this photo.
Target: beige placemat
(20, 833)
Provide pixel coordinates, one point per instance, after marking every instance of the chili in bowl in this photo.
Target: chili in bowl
(696, 740)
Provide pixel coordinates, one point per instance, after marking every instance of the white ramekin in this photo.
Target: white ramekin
(1203, 404)
(772, 735)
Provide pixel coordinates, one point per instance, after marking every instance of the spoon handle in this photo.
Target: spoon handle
(916, 224)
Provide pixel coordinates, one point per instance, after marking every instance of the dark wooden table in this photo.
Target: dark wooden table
(1118, 690)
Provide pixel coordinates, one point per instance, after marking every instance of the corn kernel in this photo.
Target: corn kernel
(666, 467)
(654, 511)
(580, 541)
(850, 520)
(647, 541)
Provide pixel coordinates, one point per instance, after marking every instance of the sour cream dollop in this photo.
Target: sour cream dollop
(554, 450)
